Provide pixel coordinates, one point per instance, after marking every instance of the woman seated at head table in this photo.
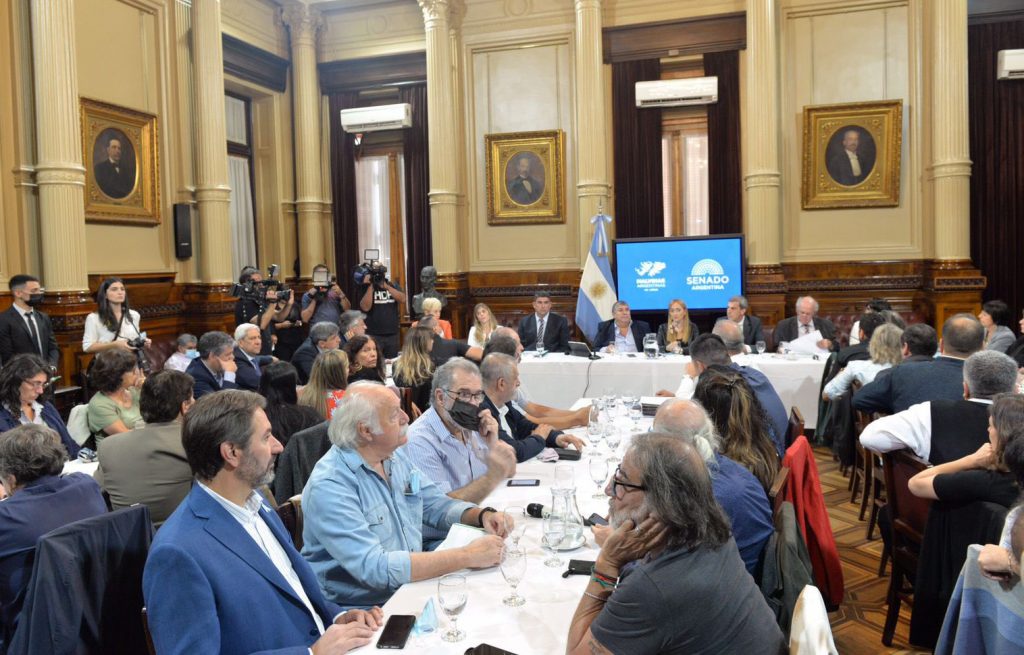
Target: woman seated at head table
(22, 381)
(113, 324)
(432, 307)
(114, 408)
(484, 325)
(675, 335)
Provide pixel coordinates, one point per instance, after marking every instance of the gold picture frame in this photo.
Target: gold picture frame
(852, 155)
(120, 154)
(525, 177)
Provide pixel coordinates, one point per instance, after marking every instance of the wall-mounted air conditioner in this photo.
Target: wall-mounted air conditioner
(1010, 65)
(676, 93)
(375, 119)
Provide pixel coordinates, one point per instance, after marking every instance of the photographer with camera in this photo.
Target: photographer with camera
(258, 302)
(379, 298)
(325, 301)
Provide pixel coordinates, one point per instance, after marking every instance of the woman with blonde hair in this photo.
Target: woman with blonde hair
(484, 325)
(414, 368)
(885, 351)
(675, 335)
(327, 382)
(432, 307)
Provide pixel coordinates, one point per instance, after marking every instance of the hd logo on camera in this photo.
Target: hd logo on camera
(707, 275)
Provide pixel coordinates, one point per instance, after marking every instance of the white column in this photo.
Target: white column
(60, 175)
(592, 187)
(213, 193)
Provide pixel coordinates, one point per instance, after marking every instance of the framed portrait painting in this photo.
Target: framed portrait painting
(525, 177)
(852, 155)
(119, 146)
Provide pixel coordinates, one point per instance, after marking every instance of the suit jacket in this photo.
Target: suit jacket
(303, 358)
(205, 381)
(556, 333)
(15, 338)
(146, 465)
(248, 377)
(840, 168)
(526, 444)
(752, 330)
(606, 334)
(911, 383)
(852, 354)
(113, 183)
(663, 343)
(210, 589)
(787, 330)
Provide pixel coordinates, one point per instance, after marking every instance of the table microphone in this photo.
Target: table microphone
(536, 510)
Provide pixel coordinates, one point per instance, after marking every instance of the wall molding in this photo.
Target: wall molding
(253, 64)
(675, 38)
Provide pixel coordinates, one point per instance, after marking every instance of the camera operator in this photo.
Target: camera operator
(260, 307)
(325, 301)
(379, 298)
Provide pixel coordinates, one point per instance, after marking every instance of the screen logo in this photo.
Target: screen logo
(650, 269)
(707, 275)
(648, 276)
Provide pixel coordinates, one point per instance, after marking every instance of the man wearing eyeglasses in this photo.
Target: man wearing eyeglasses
(666, 520)
(455, 442)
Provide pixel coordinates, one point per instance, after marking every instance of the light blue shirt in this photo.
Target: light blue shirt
(360, 529)
(624, 344)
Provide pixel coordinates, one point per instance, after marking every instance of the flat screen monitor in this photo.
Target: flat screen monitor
(704, 272)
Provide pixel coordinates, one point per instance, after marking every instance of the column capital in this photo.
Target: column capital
(305, 23)
(438, 12)
(583, 5)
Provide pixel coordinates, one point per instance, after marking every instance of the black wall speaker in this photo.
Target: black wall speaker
(182, 230)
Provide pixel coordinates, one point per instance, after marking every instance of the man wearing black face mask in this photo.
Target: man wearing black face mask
(23, 328)
(455, 443)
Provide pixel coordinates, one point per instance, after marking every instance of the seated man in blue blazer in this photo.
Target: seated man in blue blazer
(222, 575)
(215, 368)
(621, 334)
(500, 376)
(248, 358)
(552, 328)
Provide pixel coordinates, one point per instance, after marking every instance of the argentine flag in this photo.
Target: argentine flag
(597, 291)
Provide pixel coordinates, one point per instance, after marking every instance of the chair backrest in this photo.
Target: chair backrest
(777, 492)
(405, 396)
(909, 513)
(810, 632)
(78, 424)
(290, 513)
(796, 425)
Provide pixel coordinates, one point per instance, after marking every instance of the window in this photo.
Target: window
(242, 213)
(684, 157)
(380, 206)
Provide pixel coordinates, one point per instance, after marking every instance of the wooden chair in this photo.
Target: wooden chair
(290, 513)
(408, 406)
(796, 425)
(909, 516)
(858, 474)
(777, 492)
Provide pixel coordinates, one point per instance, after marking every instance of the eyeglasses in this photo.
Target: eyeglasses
(475, 397)
(626, 486)
(35, 384)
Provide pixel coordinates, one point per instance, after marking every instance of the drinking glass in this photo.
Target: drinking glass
(636, 411)
(614, 439)
(599, 473)
(554, 532)
(594, 427)
(513, 568)
(760, 346)
(517, 516)
(452, 595)
(565, 477)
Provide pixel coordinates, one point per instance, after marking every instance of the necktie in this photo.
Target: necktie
(540, 333)
(807, 329)
(35, 333)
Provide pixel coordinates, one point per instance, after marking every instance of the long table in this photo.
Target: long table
(559, 380)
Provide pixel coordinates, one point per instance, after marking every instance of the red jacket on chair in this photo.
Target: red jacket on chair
(804, 491)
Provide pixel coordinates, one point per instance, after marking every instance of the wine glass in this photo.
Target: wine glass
(760, 346)
(452, 595)
(515, 523)
(554, 533)
(614, 439)
(636, 411)
(599, 473)
(513, 568)
(594, 427)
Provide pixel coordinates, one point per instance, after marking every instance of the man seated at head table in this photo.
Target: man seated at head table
(39, 500)
(685, 589)
(223, 575)
(621, 334)
(506, 341)
(366, 504)
(738, 311)
(500, 375)
(720, 347)
(455, 443)
(806, 322)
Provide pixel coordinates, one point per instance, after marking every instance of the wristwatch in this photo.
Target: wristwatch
(480, 516)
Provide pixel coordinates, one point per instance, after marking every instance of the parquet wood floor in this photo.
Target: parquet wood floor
(857, 624)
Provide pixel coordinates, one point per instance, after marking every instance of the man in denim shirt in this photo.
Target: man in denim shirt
(366, 503)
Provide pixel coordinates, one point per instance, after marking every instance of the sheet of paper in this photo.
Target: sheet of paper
(460, 535)
(807, 344)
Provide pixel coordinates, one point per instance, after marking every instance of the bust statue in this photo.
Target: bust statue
(428, 286)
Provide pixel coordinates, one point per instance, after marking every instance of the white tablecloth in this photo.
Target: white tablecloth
(559, 380)
(78, 466)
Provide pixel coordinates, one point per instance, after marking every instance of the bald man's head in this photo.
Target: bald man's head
(688, 420)
(732, 336)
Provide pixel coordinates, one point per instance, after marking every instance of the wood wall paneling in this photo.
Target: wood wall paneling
(254, 64)
(675, 38)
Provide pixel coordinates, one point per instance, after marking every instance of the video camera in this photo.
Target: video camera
(259, 292)
(372, 268)
(322, 283)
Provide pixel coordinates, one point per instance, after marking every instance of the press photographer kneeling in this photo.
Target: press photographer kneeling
(257, 301)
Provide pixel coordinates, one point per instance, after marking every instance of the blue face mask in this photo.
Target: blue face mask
(192, 353)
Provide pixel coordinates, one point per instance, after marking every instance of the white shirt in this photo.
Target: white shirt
(862, 370)
(97, 332)
(503, 420)
(37, 411)
(177, 362)
(911, 428)
(854, 162)
(249, 518)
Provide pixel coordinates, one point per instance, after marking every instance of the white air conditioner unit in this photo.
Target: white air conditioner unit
(375, 119)
(1010, 65)
(677, 93)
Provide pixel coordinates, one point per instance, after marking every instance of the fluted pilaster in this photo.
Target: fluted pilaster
(60, 175)
(305, 23)
(592, 187)
(213, 193)
(950, 169)
(762, 177)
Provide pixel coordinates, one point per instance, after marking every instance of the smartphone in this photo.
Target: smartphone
(487, 649)
(396, 631)
(579, 567)
(595, 519)
(523, 482)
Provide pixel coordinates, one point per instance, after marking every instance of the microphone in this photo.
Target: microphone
(536, 510)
